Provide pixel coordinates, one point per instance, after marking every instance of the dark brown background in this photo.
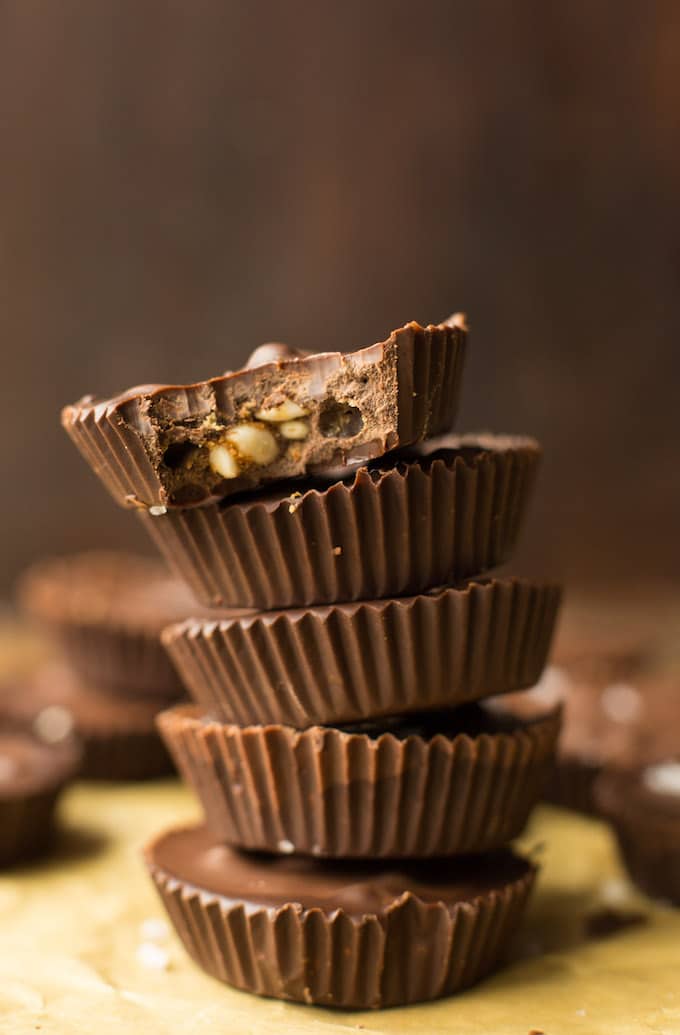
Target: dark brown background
(182, 180)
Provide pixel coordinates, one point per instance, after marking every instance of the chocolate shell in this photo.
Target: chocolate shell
(180, 445)
(400, 528)
(118, 736)
(643, 807)
(571, 785)
(342, 937)
(32, 777)
(105, 611)
(351, 662)
(621, 711)
(448, 785)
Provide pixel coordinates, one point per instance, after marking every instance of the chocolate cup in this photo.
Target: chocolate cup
(105, 610)
(648, 834)
(571, 785)
(28, 803)
(125, 756)
(325, 792)
(414, 950)
(393, 530)
(118, 737)
(351, 662)
(404, 389)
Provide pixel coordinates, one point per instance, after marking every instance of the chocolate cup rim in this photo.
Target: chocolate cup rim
(90, 403)
(330, 915)
(487, 443)
(192, 716)
(614, 806)
(488, 781)
(59, 777)
(527, 609)
(323, 613)
(115, 436)
(46, 572)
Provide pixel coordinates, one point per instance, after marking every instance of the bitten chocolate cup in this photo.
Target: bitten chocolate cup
(446, 784)
(342, 935)
(32, 776)
(105, 611)
(287, 414)
(395, 529)
(351, 662)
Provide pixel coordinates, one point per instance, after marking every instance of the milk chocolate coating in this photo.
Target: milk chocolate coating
(32, 776)
(105, 611)
(154, 446)
(432, 785)
(350, 935)
(453, 510)
(351, 662)
(647, 827)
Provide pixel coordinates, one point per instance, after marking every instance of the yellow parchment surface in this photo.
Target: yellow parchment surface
(71, 929)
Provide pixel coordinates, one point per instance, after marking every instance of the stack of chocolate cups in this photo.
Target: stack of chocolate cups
(358, 798)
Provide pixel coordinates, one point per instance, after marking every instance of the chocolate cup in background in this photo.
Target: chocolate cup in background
(647, 828)
(571, 785)
(33, 775)
(620, 711)
(351, 662)
(326, 792)
(117, 735)
(403, 949)
(452, 511)
(104, 610)
(404, 389)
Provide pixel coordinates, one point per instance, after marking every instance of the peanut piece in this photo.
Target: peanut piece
(285, 411)
(253, 443)
(222, 462)
(294, 429)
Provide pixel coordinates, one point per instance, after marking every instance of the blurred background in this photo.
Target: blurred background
(182, 181)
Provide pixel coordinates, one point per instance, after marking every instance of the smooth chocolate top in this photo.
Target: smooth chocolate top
(192, 855)
(28, 765)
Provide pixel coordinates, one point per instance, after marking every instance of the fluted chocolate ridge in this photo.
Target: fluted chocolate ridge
(397, 529)
(351, 662)
(326, 792)
(413, 951)
(105, 610)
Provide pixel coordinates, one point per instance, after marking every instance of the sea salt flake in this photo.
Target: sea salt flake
(154, 929)
(663, 778)
(152, 956)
